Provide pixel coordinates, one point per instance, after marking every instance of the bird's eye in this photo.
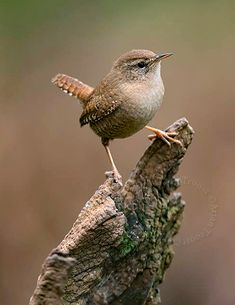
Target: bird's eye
(141, 64)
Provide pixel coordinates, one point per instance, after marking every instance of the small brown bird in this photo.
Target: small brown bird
(124, 101)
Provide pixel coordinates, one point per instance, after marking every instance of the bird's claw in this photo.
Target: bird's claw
(114, 174)
(167, 137)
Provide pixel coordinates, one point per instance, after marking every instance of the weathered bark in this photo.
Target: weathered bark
(121, 243)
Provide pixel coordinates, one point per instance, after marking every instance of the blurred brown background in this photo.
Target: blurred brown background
(50, 167)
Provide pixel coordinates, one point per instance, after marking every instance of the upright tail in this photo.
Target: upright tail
(72, 87)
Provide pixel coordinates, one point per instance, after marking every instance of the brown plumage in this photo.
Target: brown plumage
(124, 101)
(72, 87)
(102, 102)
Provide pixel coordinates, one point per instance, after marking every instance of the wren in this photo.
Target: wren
(124, 101)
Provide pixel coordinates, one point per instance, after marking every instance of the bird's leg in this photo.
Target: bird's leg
(164, 135)
(110, 158)
(105, 142)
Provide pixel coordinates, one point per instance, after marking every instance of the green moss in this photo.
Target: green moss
(127, 244)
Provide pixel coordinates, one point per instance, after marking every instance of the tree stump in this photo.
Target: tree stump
(120, 246)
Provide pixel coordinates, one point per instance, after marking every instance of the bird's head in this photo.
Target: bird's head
(139, 65)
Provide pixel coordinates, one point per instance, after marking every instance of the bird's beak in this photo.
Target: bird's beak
(162, 56)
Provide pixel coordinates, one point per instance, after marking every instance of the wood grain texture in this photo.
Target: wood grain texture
(120, 246)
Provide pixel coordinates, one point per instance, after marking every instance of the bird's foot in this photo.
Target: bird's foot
(114, 174)
(167, 137)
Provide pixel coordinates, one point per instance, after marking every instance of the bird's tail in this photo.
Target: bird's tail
(72, 87)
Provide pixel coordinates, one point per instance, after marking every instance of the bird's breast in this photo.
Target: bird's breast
(143, 101)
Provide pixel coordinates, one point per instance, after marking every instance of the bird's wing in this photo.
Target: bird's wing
(72, 86)
(98, 107)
